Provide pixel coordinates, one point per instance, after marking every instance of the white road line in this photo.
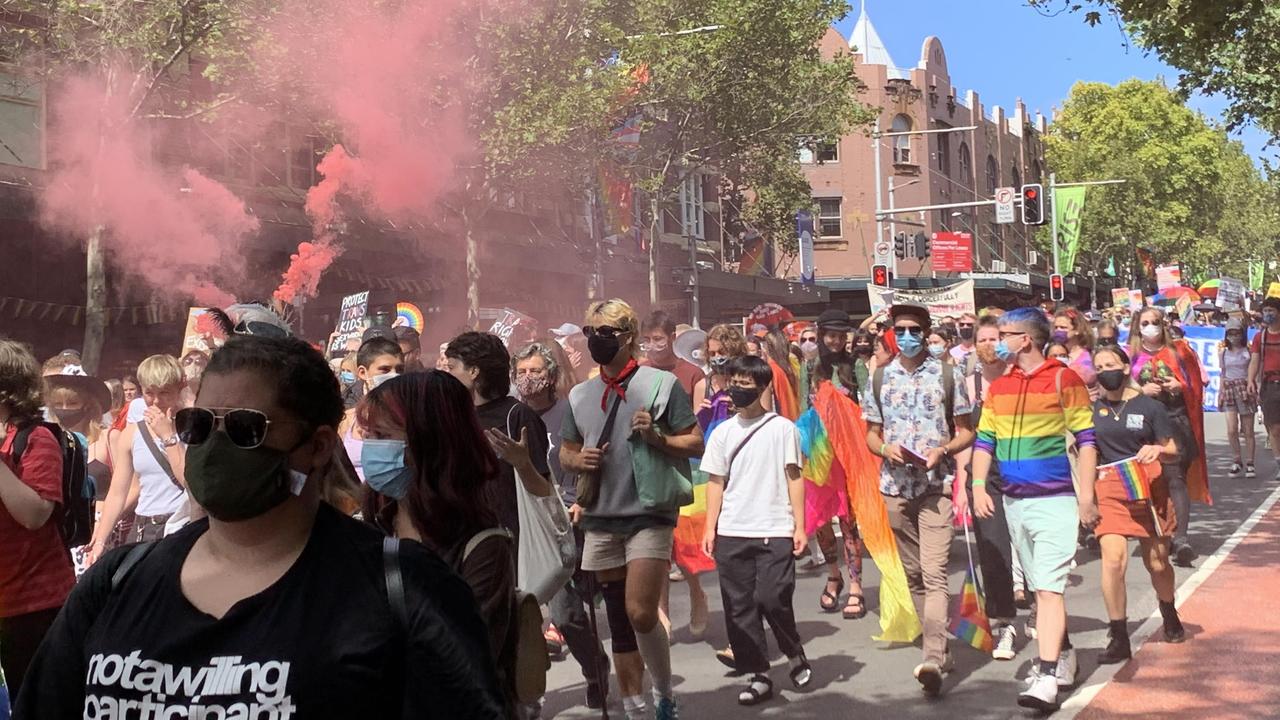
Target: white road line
(1154, 623)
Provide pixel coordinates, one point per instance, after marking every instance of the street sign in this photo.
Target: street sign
(1004, 204)
(952, 252)
(883, 252)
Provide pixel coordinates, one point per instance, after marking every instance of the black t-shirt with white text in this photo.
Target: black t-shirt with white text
(321, 642)
(1122, 428)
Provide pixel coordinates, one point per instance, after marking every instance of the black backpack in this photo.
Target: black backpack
(75, 515)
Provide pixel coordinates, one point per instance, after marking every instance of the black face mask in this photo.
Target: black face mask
(69, 419)
(1106, 341)
(743, 397)
(603, 349)
(966, 333)
(1112, 379)
(863, 350)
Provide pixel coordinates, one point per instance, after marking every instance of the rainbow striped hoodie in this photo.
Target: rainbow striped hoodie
(1024, 425)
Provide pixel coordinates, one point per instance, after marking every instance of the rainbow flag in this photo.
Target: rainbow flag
(1132, 477)
(969, 620)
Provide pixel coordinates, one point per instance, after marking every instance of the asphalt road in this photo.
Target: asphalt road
(856, 677)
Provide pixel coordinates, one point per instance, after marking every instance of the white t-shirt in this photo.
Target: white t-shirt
(756, 502)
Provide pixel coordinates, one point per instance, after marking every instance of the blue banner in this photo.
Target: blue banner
(1205, 341)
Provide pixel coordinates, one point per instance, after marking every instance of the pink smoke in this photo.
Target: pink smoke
(391, 79)
(177, 230)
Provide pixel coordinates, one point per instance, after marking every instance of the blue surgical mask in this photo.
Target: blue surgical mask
(1004, 353)
(347, 377)
(937, 351)
(384, 469)
(910, 345)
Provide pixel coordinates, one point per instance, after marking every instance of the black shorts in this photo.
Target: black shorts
(1269, 399)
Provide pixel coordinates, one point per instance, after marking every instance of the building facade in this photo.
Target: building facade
(1005, 150)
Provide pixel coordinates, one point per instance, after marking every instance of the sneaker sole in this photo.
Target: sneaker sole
(1035, 703)
(931, 683)
(1002, 655)
(1103, 660)
(1185, 555)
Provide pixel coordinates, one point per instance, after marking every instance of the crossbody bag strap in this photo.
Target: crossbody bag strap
(158, 454)
(613, 413)
(728, 468)
(395, 581)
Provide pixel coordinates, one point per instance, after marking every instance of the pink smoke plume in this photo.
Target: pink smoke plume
(178, 231)
(390, 78)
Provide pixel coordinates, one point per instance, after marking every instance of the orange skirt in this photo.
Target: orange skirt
(1134, 519)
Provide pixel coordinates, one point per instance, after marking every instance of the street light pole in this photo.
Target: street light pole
(875, 153)
(893, 231)
(1053, 214)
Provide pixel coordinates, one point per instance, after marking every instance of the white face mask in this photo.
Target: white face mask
(1151, 332)
(377, 380)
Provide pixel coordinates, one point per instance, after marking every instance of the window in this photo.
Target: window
(303, 158)
(1037, 171)
(805, 155)
(902, 143)
(1017, 179)
(966, 165)
(944, 153)
(691, 207)
(993, 175)
(829, 218)
(828, 153)
(21, 122)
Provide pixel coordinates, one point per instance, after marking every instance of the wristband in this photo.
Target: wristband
(883, 445)
(979, 482)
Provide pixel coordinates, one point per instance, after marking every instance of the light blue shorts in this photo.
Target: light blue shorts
(1044, 534)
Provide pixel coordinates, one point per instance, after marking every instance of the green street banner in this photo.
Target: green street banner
(1068, 210)
(1256, 273)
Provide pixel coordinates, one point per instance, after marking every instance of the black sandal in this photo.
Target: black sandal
(802, 675)
(858, 614)
(753, 694)
(834, 598)
(727, 659)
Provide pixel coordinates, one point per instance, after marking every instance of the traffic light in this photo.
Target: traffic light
(1056, 292)
(900, 245)
(880, 275)
(921, 246)
(1033, 204)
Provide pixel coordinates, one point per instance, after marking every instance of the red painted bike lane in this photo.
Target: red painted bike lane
(1226, 668)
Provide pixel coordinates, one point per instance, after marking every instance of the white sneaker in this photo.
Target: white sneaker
(1005, 635)
(1250, 471)
(1067, 668)
(1041, 693)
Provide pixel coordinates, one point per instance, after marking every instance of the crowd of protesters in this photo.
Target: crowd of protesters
(368, 536)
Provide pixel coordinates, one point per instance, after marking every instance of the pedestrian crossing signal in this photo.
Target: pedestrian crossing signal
(1056, 292)
(880, 275)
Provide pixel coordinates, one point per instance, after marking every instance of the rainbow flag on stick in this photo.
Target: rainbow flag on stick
(969, 621)
(1135, 478)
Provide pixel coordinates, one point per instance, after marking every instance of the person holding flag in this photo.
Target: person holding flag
(1133, 434)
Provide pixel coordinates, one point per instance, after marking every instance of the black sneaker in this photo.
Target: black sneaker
(1183, 554)
(1173, 630)
(1117, 650)
(1235, 469)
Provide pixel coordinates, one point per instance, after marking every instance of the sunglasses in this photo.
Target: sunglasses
(247, 428)
(604, 331)
(904, 331)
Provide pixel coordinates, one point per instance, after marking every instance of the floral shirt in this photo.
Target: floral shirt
(913, 413)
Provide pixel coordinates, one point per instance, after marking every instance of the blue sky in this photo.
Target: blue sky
(1005, 50)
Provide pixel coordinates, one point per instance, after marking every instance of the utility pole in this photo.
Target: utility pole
(653, 252)
(875, 154)
(893, 231)
(693, 268)
(1053, 215)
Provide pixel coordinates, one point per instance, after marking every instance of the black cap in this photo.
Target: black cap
(378, 331)
(919, 312)
(833, 319)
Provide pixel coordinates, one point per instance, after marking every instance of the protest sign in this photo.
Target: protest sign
(1168, 276)
(1273, 290)
(351, 320)
(1136, 301)
(953, 300)
(203, 333)
(1205, 341)
(513, 327)
(1119, 297)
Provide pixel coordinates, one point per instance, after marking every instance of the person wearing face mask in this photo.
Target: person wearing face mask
(939, 344)
(241, 593)
(1132, 425)
(1264, 373)
(862, 357)
(629, 544)
(76, 401)
(536, 372)
(658, 335)
(918, 418)
(809, 344)
(755, 526)
(1107, 333)
(1236, 400)
(432, 474)
(995, 551)
(1168, 370)
(966, 330)
(1025, 418)
(377, 361)
(1071, 329)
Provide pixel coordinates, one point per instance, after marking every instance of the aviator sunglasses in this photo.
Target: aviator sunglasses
(246, 427)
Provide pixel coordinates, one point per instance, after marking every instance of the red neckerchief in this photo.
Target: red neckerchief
(615, 383)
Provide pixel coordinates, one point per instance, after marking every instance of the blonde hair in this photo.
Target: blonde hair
(159, 371)
(1135, 327)
(616, 313)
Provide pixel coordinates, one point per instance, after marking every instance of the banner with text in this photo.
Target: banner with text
(952, 252)
(351, 317)
(954, 300)
(1068, 209)
(1230, 294)
(1206, 341)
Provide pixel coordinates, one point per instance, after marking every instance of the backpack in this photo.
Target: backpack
(75, 514)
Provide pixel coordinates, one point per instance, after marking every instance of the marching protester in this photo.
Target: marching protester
(658, 336)
(995, 550)
(940, 342)
(1024, 421)
(410, 343)
(35, 570)
(918, 417)
(377, 361)
(1071, 329)
(1236, 399)
(481, 363)
(129, 385)
(240, 594)
(1130, 425)
(966, 330)
(148, 477)
(1106, 333)
(1264, 373)
(537, 370)
(627, 432)
(755, 526)
(436, 481)
(1167, 370)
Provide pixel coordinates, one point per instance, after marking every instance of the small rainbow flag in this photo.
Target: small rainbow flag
(1131, 475)
(968, 616)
